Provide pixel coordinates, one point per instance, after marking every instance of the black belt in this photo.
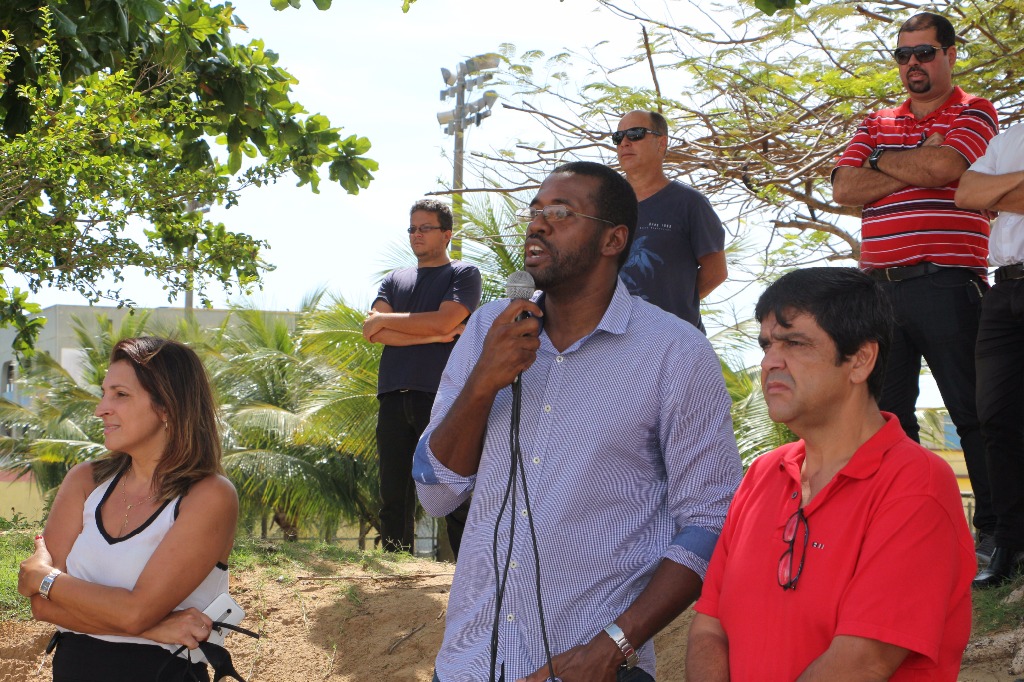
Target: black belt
(905, 272)
(1008, 272)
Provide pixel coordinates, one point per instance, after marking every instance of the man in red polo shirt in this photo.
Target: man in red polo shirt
(845, 555)
(903, 167)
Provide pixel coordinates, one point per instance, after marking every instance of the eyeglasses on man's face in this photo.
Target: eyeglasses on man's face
(424, 229)
(924, 53)
(553, 214)
(632, 134)
(787, 576)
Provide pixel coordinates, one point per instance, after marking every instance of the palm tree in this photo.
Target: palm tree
(288, 450)
(58, 428)
(756, 433)
(297, 419)
(342, 411)
(493, 241)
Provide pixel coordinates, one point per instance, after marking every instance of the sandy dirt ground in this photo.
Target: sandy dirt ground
(363, 627)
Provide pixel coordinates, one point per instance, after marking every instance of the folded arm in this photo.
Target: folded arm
(981, 191)
(201, 536)
(427, 326)
(930, 165)
(390, 337)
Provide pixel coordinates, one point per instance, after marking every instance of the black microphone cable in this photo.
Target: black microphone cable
(518, 284)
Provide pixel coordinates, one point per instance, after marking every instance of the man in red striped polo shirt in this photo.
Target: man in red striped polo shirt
(903, 167)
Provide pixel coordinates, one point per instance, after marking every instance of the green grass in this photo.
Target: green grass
(291, 559)
(991, 614)
(16, 545)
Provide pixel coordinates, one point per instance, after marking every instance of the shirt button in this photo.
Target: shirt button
(510, 617)
(536, 460)
(559, 358)
(547, 408)
(793, 496)
(513, 564)
(525, 512)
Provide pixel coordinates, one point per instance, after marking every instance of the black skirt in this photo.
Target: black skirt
(81, 658)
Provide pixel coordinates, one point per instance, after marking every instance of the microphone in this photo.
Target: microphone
(520, 285)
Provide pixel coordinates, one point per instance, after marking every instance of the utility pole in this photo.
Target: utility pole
(461, 117)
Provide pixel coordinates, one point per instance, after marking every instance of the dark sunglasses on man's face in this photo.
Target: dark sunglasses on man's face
(631, 134)
(924, 53)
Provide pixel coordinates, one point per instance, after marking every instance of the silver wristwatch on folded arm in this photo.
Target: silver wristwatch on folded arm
(44, 587)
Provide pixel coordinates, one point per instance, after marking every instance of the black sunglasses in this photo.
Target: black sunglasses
(787, 576)
(632, 134)
(924, 53)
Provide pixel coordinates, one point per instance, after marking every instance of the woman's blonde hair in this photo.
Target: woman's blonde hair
(176, 381)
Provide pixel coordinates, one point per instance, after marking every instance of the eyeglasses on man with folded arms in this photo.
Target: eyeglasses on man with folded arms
(787, 577)
(553, 214)
(424, 229)
(632, 134)
(924, 53)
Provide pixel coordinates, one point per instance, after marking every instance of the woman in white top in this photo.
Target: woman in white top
(137, 541)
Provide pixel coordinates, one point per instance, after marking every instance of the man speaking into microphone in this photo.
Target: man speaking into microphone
(627, 455)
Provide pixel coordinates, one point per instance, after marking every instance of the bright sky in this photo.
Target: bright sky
(376, 72)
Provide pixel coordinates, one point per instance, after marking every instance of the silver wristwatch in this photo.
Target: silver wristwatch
(619, 637)
(44, 587)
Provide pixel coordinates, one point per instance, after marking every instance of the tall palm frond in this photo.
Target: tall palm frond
(493, 241)
(96, 342)
(285, 452)
(343, 410)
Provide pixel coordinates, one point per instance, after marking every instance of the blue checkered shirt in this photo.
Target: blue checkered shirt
(630, 459)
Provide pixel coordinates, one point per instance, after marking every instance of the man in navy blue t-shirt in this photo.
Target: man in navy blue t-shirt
(417, 314)
(678, 254)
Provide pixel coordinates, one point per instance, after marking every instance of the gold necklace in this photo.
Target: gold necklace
(124, 499)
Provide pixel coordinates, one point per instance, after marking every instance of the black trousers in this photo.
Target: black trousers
(401, 420)
(1000, 365)
(81, 658)
(937, 318)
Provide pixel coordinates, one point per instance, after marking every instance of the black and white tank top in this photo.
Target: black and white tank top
(118, 562)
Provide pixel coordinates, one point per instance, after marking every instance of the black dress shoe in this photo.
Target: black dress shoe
(983, 547)
(1005, 564)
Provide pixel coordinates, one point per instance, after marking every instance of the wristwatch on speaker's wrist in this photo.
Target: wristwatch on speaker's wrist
(619, 637)
(875, 156)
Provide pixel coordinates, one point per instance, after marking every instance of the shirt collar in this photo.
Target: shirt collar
(865, 462)
(616, 316)
(614, 320)
(957, 97)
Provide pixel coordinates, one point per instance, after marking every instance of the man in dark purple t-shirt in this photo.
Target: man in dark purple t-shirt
(678, 255)
(417, 314)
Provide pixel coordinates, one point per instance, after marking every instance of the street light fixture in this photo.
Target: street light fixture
(455, 121)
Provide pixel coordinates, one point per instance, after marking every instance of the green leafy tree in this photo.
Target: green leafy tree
(112, 113)
(764, 103)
